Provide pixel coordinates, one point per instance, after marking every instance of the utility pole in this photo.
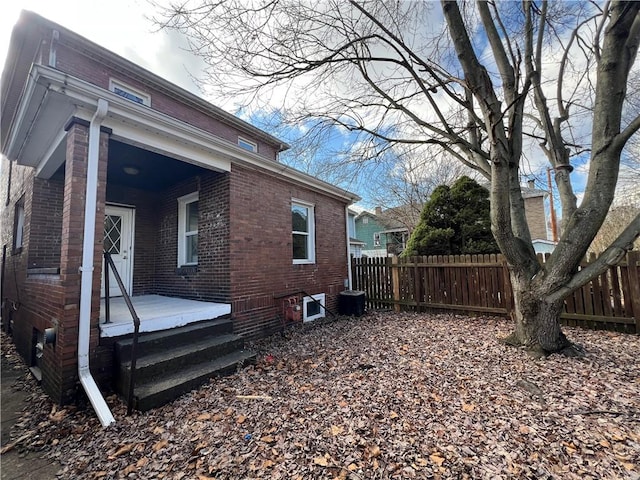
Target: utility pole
(554, 227)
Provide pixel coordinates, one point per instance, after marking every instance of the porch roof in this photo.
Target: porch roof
(51, 98)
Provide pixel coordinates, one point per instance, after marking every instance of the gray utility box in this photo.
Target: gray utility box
(351, 302)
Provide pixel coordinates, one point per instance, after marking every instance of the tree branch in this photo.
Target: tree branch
(610, 257)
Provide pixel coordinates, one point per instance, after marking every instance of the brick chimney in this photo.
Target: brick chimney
(378, 210)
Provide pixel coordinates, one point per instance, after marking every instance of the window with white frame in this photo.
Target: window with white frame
(313, 307)
(129, 93)
(18, 226)
(303, 227)
(247, 144)
(376, 239)
(188, 230)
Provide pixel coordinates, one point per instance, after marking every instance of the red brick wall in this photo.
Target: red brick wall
(210, 279)
(63, 385)
(45, 230)
(39, 301)
(78, 64)
(261, 249)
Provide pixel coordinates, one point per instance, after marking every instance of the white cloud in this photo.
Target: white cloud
(119, 26)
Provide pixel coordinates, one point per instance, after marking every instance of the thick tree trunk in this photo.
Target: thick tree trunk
(537, 320)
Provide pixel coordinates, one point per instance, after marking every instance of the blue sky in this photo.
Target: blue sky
(121, 26)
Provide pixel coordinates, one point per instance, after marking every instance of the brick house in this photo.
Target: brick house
(537, 218)
(191, 203)
(534, 211)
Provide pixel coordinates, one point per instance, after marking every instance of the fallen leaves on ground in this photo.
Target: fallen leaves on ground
(381, 396)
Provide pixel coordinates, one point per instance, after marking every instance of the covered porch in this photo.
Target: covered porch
(156, 312)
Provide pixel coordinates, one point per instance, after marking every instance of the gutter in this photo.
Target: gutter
(86, 270)
(346, 220)
(84, 93)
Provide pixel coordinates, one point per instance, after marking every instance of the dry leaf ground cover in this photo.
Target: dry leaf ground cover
(383, 396)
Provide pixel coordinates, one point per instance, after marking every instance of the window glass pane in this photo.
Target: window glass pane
(313, 309)
(19, 232)
(192, 249)
(300, 251)
(192, 217)
(247, 145)
(299, 218)
(112, 233)
(128, 95)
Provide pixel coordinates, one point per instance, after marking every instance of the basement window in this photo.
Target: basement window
(312, 310)
(129, 93)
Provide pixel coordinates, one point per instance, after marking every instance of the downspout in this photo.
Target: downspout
(86, 271)
(346, 218)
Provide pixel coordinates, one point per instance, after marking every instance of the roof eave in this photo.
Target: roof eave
(154, 80)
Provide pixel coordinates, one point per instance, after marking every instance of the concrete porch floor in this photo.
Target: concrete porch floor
(157, 313)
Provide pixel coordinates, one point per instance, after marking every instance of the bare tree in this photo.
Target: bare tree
(618, 218)
(409, 179)
(390, 71)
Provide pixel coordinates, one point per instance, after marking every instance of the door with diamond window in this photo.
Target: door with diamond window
(118, 241)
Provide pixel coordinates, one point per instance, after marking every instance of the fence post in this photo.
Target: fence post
(395, 281)
(633, 259)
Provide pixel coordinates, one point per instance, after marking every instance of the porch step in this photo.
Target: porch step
(177, 357)
(160, 341)
(172, 362)
(158, 392)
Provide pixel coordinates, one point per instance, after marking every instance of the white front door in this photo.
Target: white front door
(118, 241)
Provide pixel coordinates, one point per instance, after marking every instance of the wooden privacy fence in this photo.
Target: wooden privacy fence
(480, 284)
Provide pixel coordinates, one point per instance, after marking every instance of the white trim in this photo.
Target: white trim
(18, 234)
(182, 233)
(311, 234)
(170, 136)
(349, 245)
(395, 230)
(322, 298)
(128, 211)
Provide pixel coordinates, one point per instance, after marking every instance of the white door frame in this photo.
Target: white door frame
(128, 215)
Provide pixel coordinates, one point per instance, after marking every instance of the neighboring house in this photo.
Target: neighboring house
(535, 212)
(537, 218)
(543, 246)
(189, 200)
(355, 245)
(386, 232)
(381, 233)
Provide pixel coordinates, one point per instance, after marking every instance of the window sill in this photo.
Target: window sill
(187, 270)
(304, 262)
(43, 271)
